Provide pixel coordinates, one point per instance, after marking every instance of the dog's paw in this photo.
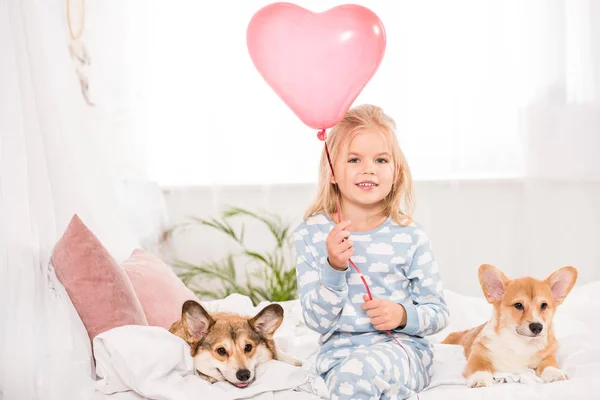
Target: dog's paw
(289, 359)
(552, 374)
(293, 361)
(481, 379)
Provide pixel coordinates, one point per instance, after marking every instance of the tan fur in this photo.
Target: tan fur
(507, 342)
(225, 345)
(225, 324)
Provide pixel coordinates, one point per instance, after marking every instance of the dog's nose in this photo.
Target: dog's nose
(243, 375)
(536, 328)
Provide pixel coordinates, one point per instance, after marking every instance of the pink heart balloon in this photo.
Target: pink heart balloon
(317, 63)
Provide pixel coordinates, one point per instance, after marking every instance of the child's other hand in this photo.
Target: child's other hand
(385, 315)
(339, 247)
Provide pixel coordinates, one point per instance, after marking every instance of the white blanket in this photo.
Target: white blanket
(449, 362)
(155, 364)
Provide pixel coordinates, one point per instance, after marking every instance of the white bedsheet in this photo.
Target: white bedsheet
(125, 366)
(157, 365)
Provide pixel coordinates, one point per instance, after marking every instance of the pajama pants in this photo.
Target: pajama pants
(380, 371)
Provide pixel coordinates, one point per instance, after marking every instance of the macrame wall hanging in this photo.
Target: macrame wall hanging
(77, 49)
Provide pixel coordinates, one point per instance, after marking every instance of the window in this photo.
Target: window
(456, 77)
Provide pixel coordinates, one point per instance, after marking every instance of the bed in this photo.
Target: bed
(142, 362)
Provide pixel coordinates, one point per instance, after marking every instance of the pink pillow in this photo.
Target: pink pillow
(99, 289)
(160, 291)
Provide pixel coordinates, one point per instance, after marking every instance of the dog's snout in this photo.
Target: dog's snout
(243, 375)
(536, 328)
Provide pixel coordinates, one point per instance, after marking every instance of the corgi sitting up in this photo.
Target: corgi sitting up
(229, 347)
(519, 336)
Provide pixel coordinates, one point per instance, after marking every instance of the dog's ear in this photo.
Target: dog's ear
(561, 282)
(268, 320)
(493, 283)
(196, 321)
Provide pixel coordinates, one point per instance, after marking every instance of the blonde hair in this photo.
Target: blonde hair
(399, 202)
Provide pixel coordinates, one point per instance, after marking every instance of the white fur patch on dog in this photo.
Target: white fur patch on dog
(510, 351)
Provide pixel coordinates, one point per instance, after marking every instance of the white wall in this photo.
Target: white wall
(523, 227)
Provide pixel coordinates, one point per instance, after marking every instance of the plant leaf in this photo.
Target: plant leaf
(256, 256)
(272, 281)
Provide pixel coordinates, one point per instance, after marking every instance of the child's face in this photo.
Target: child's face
(364, 170)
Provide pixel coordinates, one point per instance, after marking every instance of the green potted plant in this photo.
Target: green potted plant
(268, 275)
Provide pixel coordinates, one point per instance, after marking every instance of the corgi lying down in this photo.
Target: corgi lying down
(229, 347)
(519, 335)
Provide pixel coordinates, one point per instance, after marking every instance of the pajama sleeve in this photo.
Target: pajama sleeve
(323, 290)
(426, 310)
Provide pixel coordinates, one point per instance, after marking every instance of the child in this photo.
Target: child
(373, 185)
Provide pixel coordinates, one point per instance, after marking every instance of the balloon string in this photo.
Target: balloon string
(322, 135)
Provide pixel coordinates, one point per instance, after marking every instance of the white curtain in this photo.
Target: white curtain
(497, 104)
(51, 167)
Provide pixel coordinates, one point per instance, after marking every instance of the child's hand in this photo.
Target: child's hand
(339, 247)
(385, 314)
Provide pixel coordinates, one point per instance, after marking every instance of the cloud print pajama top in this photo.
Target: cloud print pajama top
(356, 360)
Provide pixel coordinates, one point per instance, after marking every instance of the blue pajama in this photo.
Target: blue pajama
(356, 360)
(382, 370)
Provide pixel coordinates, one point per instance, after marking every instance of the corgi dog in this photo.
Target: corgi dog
(229, 347)
(519, 336)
